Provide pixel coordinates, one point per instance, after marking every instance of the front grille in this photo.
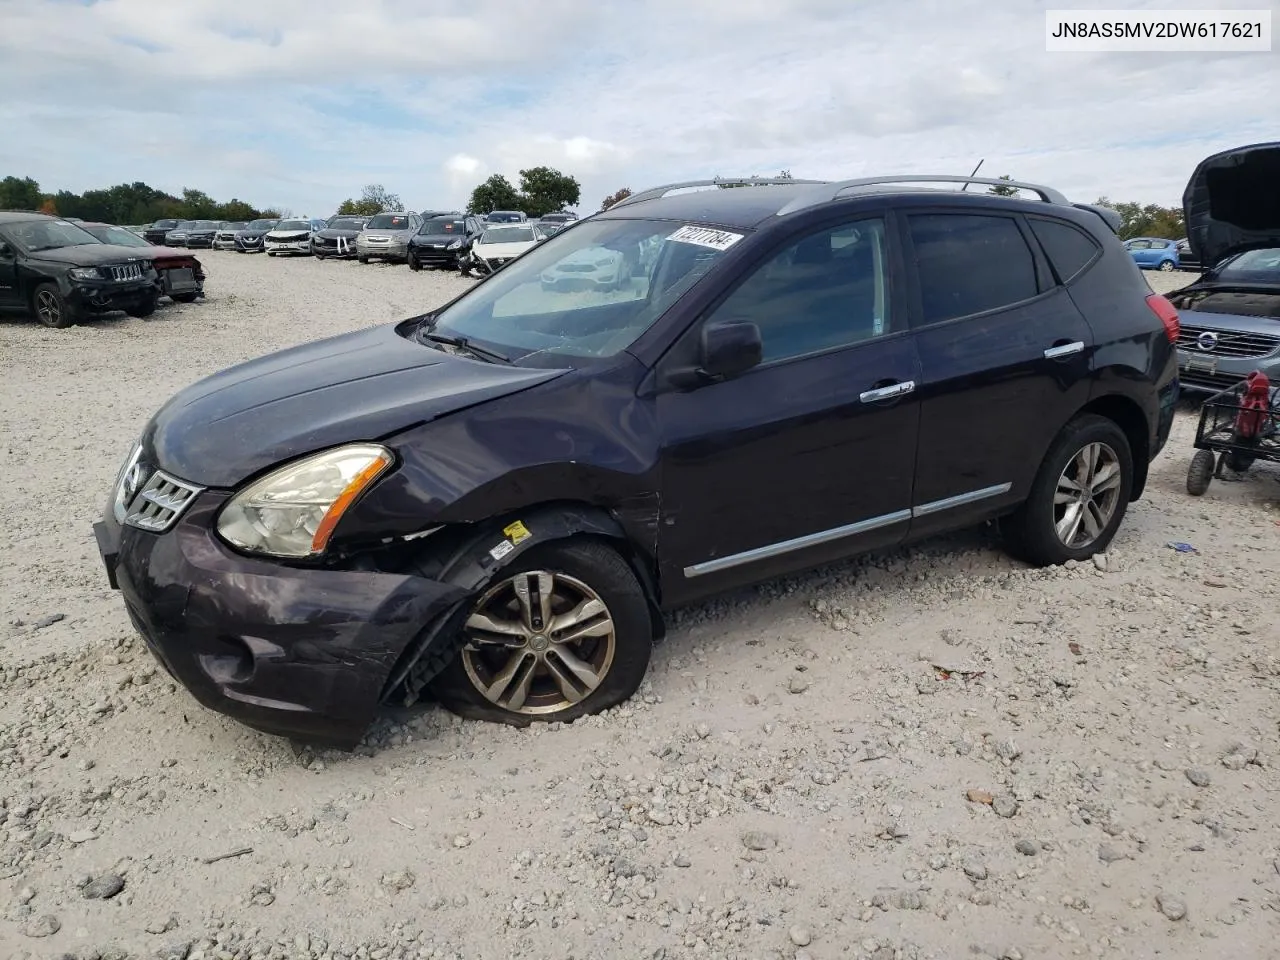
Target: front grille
(1228, 344)
(1209, 381)
(130, 271)
(578, 267)
(160, 502)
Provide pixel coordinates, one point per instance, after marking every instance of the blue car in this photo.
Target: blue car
(1153, 253)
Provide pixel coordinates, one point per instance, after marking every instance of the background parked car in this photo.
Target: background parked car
(225, 238)
(559, 216)
(499, 245)
(292, 236)
(386, 237)
(179, 275)
(443, 241)
(1187, 259)
(550, 227)
(506, 216)
(1153, 253)
(60, 272)
(249, 240)
(177, 237)
(1231, 313)
(588, 268)
(338, 238)
(156, 233)
(201, 233)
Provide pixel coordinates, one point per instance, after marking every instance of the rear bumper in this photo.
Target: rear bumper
(297, 652)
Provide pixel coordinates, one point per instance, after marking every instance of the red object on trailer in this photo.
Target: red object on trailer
(1255, 405)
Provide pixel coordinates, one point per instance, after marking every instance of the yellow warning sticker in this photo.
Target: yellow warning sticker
(517, 531)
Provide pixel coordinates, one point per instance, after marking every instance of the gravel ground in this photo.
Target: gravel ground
(932, 753)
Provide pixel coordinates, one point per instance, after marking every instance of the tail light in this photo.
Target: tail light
(1168, 315)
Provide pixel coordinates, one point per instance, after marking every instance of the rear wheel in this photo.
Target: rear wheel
(363, 259)
(1166, 266)
(413, 262)
(1200, 473)
(184, 297)
(1079, 496)
(50, 306)
(564, 632)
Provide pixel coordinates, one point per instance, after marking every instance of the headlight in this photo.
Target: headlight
(292, 511)
(456, 245)
(85, 273)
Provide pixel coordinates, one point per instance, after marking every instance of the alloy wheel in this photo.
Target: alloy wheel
(48, 309)
(538, 642)
(1087, 495)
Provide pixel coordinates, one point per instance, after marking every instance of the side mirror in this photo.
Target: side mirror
(727, 349)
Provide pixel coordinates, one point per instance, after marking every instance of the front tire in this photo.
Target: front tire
(363, 259)
(414, 263)
(1166, 266)
(144, 309)
(1078, 498)
(1200, 473)
(564, 632)
(50, 307)
(184, 297)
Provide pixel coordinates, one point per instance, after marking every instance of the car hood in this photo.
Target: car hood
(357, 386)
(92, 254)
(1231, 203)
(288, 234)
(388, 234)
(491, 250)
(252, 233)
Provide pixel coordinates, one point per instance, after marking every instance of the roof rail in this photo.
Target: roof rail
(835, 190)
(654, 193)
(1109, 216)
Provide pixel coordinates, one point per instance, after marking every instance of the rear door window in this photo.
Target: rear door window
(1069, 250)
(970, 263)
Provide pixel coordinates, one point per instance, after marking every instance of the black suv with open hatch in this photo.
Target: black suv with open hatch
(498, 499)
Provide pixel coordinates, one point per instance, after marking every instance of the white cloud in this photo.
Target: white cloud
(301, 102)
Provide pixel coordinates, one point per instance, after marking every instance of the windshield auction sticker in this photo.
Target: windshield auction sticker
(706, 237)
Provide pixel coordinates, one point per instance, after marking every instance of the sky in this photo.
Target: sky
(299, 103)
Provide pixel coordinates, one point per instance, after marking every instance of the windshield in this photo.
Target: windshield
(389, 221)
(293, 225)
(165, 224)
(36, 235)
(203, 225)
(234, 225)
(508, 235)
(503, 216)
(444, 226)
(346, 223)
(1252, 266)
(117, 235)
(588, 292)
(262, 224)
(184, 225)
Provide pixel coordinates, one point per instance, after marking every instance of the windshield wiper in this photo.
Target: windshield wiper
(461, 343)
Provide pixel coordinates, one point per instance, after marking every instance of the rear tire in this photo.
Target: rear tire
(414, 264)
(50, 307)
(144, 309)
(1200, 473)
(1166, 266)
(184, 297)
(603, 667)
(1078, 498)
(363, 259)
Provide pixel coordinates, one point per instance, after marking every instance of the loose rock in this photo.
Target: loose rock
(45, 925)
(103, 887)
(1173, 907)
(800, 936)
(1005, 806)
(1198, 776)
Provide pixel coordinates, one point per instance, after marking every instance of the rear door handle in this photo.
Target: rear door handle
(1064, 350)
(887, 393)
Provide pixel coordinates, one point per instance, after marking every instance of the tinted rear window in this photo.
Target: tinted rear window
(970, 264)
(1068, 249)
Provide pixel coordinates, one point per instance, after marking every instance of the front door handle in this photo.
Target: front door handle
(1060, 351)
(893, 390)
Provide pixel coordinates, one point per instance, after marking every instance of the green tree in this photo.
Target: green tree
(615, 197)
(544, 190)
(373, 199)
(1001, 191)
(1150, 220)
(19, 194)
(236, 210)
(496, 193)
(198, 205)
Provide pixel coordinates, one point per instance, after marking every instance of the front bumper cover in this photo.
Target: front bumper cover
(299, 652)
(106, 296)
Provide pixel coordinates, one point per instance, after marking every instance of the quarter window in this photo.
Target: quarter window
(827, 290)
(970, 264)
(1068, 249)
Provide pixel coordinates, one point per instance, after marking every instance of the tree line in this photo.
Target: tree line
(125, 203)
(542, 190)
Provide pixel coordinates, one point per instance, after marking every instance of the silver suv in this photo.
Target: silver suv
(386, 237)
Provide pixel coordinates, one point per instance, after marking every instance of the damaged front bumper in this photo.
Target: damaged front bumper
(307, 653)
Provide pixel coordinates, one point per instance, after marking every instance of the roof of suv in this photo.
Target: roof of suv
(757, 200)
(22, 216)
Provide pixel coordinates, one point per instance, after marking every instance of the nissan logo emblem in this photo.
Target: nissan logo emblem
(1207, 341)
(132, 482)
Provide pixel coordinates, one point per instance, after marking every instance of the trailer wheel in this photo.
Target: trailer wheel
(1200, 473)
